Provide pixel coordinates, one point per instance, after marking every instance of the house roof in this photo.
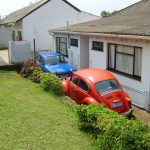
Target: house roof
(132, 20)
(23, 12)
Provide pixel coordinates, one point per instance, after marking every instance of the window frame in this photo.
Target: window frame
(58, 42)
(98, 49)
(133, 76)
(74, 42)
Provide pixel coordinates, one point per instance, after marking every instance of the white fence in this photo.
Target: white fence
(19, 51)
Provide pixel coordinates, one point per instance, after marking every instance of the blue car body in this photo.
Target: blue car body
(53, 62)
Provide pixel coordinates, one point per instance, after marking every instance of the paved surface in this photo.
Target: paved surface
(4, 57)
(142, 115)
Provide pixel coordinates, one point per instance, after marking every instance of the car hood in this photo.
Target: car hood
(60, 68)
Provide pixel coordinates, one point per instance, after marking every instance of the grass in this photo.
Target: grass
(31, 119)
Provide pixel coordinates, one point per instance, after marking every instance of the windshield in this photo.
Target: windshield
(107, 86)
(53, 60)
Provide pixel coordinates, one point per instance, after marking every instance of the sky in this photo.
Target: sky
(91, 6)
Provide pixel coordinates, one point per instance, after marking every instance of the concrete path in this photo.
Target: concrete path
(142, 115)
(4, 57)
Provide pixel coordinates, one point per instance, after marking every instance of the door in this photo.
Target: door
(73, 86)
(82, 91)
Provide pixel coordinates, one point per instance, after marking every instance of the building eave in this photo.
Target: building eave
(106, 35)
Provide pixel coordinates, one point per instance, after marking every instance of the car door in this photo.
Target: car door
(82, 90)
(73, 86)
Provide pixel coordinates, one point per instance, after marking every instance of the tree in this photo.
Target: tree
(105, 13)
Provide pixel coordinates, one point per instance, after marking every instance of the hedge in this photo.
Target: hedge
(28, 67)
(113, 131)
(50, 82)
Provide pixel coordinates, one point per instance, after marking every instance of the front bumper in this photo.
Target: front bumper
(129, 112)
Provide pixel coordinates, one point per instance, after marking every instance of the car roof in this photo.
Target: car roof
(46, 54)
(94, 75)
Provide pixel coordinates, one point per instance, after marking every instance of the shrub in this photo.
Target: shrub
(37, 71)
(113, 131)
(27, 68)
(50, 82)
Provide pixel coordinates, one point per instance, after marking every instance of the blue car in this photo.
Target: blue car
(53, 62)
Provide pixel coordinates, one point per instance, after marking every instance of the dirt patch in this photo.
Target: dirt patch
(142, 115)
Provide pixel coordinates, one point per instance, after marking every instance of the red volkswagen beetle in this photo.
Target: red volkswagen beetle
(99, 87)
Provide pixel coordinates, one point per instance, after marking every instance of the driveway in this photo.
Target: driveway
(4, 60)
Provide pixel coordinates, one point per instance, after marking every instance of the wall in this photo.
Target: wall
(84, 16)
(19, 51)
(5, 36)
(54, 14)
(78, 56)
(139, 91)
(97, 58)
(84, 52)
(17, 27)
(73, 52)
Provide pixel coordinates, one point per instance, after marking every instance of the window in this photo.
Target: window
(61, 45)
(107, 86)
(19, 36)
(83, 85)
(98, 46)
(13, 35)
(125, 59)
(74, 80)
(51, 60)
(74, 42)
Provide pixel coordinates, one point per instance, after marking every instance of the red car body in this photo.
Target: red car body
(97, 86)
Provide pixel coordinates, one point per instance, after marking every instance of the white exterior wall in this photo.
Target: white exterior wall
(17, 27)
(54, 14)
(84, 52)
(97, 58)
(83, 17)
(5, 36)
(77, 56)
(139, 91)
(6, 33)
(73, 52)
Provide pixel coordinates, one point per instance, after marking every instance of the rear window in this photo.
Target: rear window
(51, 60)
(107, 86)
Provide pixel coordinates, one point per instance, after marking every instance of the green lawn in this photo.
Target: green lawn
(31, 119)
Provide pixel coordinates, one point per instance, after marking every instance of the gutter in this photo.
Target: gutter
(137, 37)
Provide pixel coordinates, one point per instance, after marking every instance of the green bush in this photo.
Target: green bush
(37, 71)
(113, 131)
(28, 67)
(50, 82)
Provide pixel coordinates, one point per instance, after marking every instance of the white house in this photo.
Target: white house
(119, 43)
(31, 23)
